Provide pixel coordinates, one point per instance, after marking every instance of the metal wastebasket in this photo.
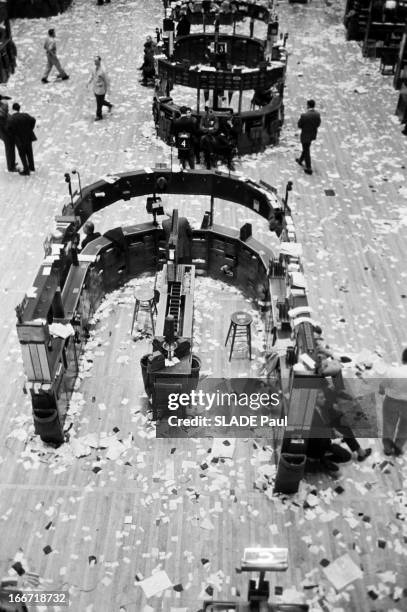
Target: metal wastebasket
(48, 426)
(145, 375)
(289, 473)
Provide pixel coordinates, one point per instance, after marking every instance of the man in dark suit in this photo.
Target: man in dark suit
(89, 230)
(184, 250)
(6, 137)
(21, 127)
(320, 445)
(185, 130)
(184, 26)
(309, 123)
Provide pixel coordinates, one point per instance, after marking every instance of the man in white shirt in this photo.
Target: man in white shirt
(50, 46)
(394, 388)
(100, 87)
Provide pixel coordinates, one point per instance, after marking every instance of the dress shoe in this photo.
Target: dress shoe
(44, 80)
(13, 170)
(329, 465)
(307, 170)
(24, 172)
(65, 77)
(297, 159)
(98, 118)
(367, 453)
(397, 450)
(110, 108)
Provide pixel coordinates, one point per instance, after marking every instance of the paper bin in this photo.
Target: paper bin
(145, 375)
(48, 426)
(290, 471)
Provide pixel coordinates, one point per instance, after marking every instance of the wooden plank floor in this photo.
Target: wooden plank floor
(354, 244)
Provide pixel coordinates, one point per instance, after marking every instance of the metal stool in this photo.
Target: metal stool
(240, 323)
(145, 300)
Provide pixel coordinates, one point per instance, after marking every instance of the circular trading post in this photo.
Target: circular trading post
(238, 78)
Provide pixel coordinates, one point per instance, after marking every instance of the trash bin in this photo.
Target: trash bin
(145, 375)
(192, 385)
(290, 471)
(48, 426)
(195, 369)
(195, 366)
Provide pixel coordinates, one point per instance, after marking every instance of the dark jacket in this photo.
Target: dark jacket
(309, 123)
(209, 124)
(21, 127)
(4, 116)
(320, 435)
(183, 27)
(3, 113)
(184, 236)
(89, 238)
(187, 125)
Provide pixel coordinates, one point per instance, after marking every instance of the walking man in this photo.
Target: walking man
(21, 127)
(6, 137)
(308, 123)
(50, 46)
(100, 87)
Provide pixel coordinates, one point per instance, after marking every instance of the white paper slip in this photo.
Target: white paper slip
(87, 258)
(56, 248)
(342, 572)
(222, 450)
(290, 248)
(61, 331)
(157, 583)
(49, 260)
(32, 292)
(300, 310)
(276, 558)
(110, 178)
(298, 280)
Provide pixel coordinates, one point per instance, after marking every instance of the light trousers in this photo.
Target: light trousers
(52, 60)
(395, 421)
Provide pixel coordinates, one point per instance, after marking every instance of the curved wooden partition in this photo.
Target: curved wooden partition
(241, 50)
(236, 10)
(68, 294)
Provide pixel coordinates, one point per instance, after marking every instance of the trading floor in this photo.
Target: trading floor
(97, 522)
